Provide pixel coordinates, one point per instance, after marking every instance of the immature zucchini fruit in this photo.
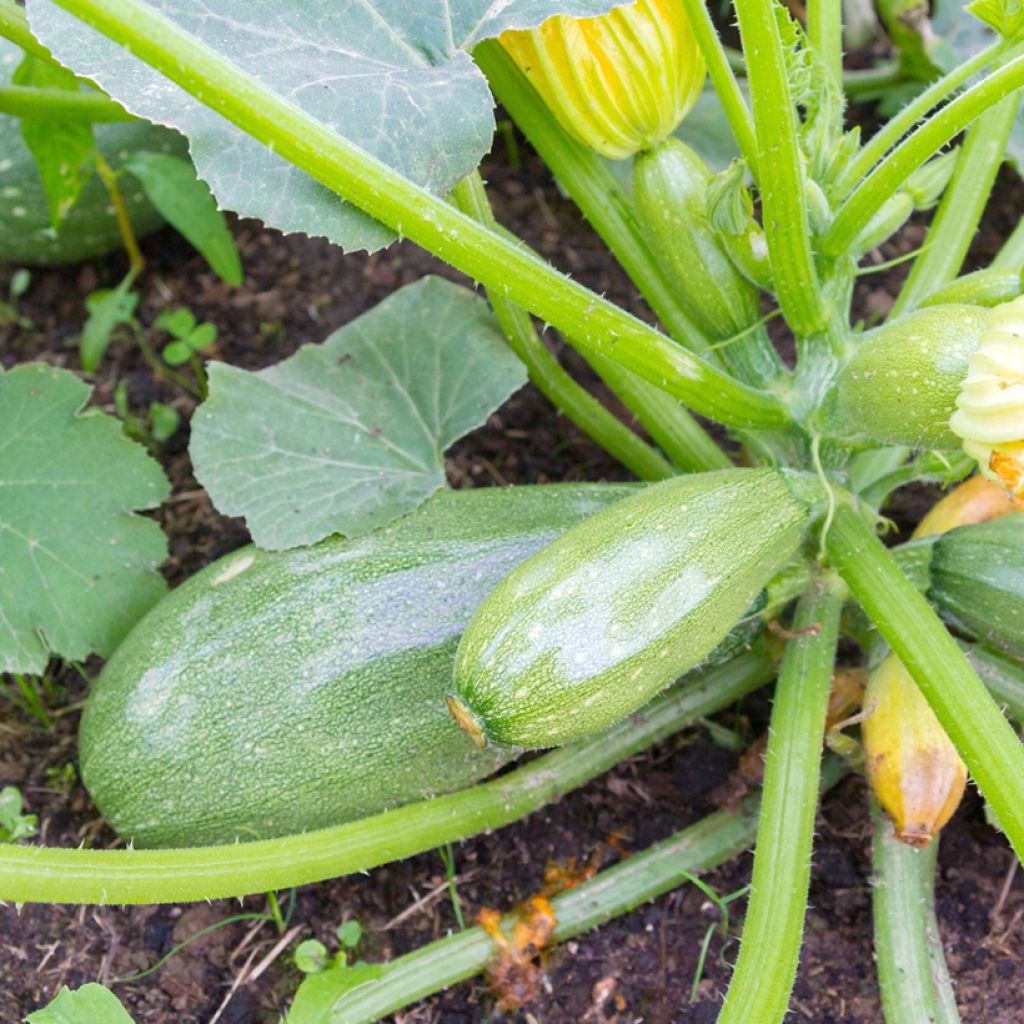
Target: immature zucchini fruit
(594, 625)
(902, 383)
(277, 692)
(913, 767)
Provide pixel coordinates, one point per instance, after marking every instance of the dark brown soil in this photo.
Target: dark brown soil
(297, 291)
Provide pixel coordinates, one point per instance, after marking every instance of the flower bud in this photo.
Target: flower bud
(990, 407)
(913, 767)
(620, 82)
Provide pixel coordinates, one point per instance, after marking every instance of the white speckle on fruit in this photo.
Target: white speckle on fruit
(236, 568)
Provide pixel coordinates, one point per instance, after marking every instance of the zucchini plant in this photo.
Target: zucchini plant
(369, 124)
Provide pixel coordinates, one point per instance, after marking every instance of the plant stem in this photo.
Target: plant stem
(30, 874)
(124, 222)
(912, 973)
(619, 889)
(413, 212)
(566, 395)
(766, 968)
(724, 80)
(596, 191)
(861, 83)
(14, 26)
(1011, 256)
(934, 133)
(963, 204)
(908, 116)
(825, 31)
(780, 170)
(1003, 677)
(680, 436)
(958, 697)
(30, 101)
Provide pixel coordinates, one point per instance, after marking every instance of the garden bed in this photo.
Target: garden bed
(639, 967)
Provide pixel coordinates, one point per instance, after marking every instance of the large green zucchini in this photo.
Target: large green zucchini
(277, 692)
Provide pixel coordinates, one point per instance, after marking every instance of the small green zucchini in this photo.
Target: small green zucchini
(594, 625)
(901, 384)
(276, 692)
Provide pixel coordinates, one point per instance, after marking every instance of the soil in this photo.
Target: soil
(639, 967)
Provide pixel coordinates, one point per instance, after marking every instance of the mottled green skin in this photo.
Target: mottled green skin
(977, 581)
(90, 229)
(589, 629)
(901, 384)
(277, 692)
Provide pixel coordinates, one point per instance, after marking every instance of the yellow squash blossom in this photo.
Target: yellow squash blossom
(620, 82)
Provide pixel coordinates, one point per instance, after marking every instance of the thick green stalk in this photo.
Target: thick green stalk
(766, 968)
(566, 395)
(967, 712)
(1011, 256)
(38, 874)
(722, 78)
(931, 136)
(825, 31)
(908, 117)
(618, 890)
(912, 972)
(780, 170)
(1002, 676)
(963, 204)
(594, 189)
(379, 190)
(678, 434)
(29, 101)
(14, 26)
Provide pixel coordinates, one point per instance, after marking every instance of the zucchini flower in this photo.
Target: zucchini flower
(620, 82)
(990, 408)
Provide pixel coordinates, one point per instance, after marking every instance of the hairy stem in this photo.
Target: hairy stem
(30, 101)
(566, 395)
(772, 933)
(1011, 256)
(414, 212)
(959, 214)
(962, 704)
(825, 31)
(931, 136)
(14, 26)
(780, 170)
(912, 972)
(36, 874)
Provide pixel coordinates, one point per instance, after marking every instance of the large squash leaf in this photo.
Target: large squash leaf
(345, 436)
(77, 568)
(393, 76)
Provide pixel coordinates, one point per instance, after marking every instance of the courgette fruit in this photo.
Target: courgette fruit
(594, 625)
(977, 580)
(276, 692)
(901, 384)
(90, 228)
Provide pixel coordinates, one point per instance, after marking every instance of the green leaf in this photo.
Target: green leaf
(90, 1004)
(185, 202)
(346, 436)
(316, 995)
(177, 353)
(163, 421)
(178, 322)
(350, 933)
(1005, 16)
(13, 824)
(311, 956)
(63, 148)
(77, 568)
(202, 337)
(394, 77)
(107, 308)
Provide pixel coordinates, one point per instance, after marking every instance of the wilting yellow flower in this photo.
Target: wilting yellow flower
(913, 767)
(990, 408)
(620, 82)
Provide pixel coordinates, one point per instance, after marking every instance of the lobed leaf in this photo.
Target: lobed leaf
(346, 436)
(77, 568)
(392, 76)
